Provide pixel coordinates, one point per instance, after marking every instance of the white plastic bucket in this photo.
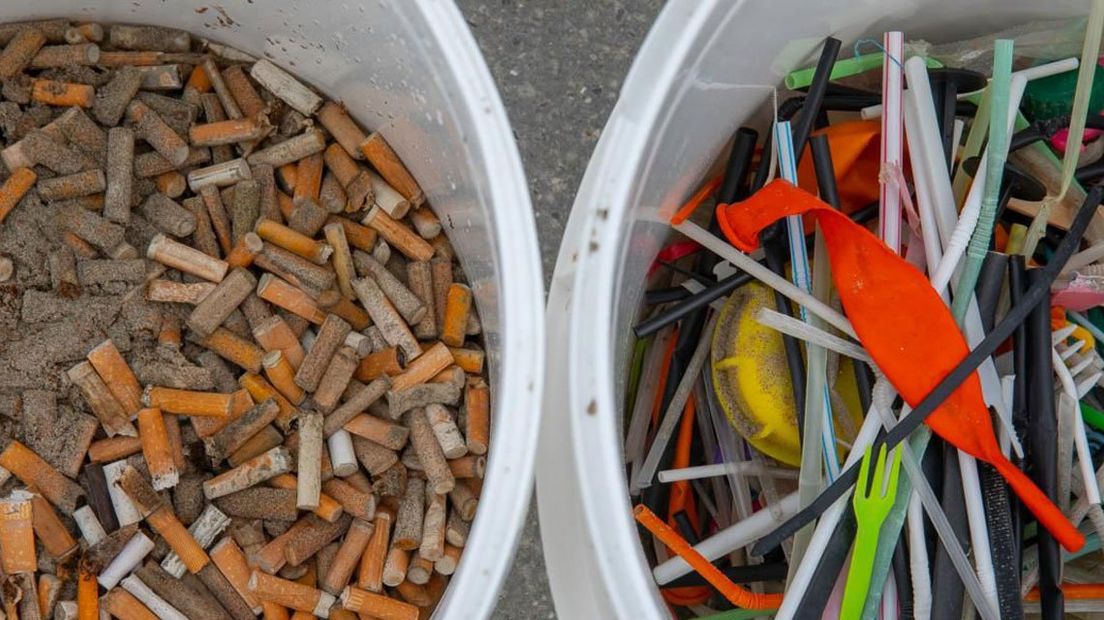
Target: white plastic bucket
(704, 70)
(410, 69)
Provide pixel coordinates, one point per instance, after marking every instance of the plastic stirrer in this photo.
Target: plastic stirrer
(901, 321)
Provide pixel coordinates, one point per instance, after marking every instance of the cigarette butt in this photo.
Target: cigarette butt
(19, 51)
(204, 530)
(179, 256)
(260, 503)
(242, 90)
(49, 591)
(210, 313)
(294, 300)
(231, 561)
(274, 334)
(358, 503)
(329, 509)
(220, 221)
(170, 331)
(92, 531)
(263, 441)
(342, 258)
(464, 501)
(157, 605)
(445, 430)
(377, 605)
(291, 150)
(332, 196)
(71, 186)
(260, 390)
(394, 566)
(171, 183)
(234, 348)
(289, 174)
(161, 518)
(331, 336)
(336, 377)
(342, 127)
(290, 594)
(235, 434)
(449, 560)
(137, 547)
(387, 434)
(187, 402)
(167, 215)
(419, 277)
(309, 461)
(347, 557)
(254, 471)
(470, 360)
(204, 237)
(425, 222)
(477, 417)
(281, 375)
(35, 472)
(432, 544)
(409, 520)
(435, 359)
(245, 209)
(458, 306)
(334, 302)
(394, 329)
(88, 596)
(398, 235)
(231, 131)
(380, 154)
(17, 545)
(122, 604)
(293, 241)
(14, 188)
(358, 236)
(467, 467)
(308, 178)
(156, 449)
(110, 365)
(150, 127)
(220, 174)
(429, 451)
(244, 251)
(198, 83)
(385, 362)
(63, 94)
(298, 271)
(217, 584)
(283, 85)
(312, 538)
(419, 571)
(307, 216)
(370, 571)
(405, 301)
(178, 292)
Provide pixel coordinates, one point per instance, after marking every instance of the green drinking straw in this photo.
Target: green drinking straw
(845, 68)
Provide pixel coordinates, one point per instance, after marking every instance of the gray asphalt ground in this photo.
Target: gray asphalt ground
(559, 66)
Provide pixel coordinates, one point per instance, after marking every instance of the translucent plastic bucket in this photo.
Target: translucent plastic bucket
(411, 70)
(705, 69)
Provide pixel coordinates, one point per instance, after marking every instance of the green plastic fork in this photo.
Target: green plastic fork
(872, 505)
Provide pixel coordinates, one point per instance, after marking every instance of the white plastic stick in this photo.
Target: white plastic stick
(741, 468)
(1080, 439)
(892, 128)
(790, 326)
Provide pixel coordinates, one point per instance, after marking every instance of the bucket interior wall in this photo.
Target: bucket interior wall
(705, 69)
(411, 70)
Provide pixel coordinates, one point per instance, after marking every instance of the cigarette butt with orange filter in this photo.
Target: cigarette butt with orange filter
(347, 557)
(117, 375)
(35, 472)
(62, 94)
(88, 594)
(17, 544)
(290, 594)
(49, 591)
(113, 448)
(51, 532)
(377, 605)
(470, 360)
(398, 235)
(261, 390)
(458, 305)
(234, 348)
(419, 570)
(308, 178)
(469, 466)
(359, 237)
(477, 416)
(281, 375)
(161, 518)
(342, 257)
(274, 334)
(100, 400)
(178, 292)
(387, 434)
(169, 334)
(435, 359)
(334, 302)
(187, 259)
(288, 175)
(293, 241)
(245, 250)
(187, 402)
(342, 127)
(294, 300)
(447, 563)
(198, 83)
(122, 604)
(14, 188)
(231, 561)
(20, 51)
(157, 450)
(380, 154)
(375, 365)
(370, 573)
(231, 131)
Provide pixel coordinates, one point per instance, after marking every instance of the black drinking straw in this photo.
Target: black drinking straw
(1042, 438)
(947, 587)
(902, 577)
(754, 573)
(1036, 293)
(828, 569)
(1017, 277)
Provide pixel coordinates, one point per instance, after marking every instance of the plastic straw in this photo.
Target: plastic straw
(1089, 53)
(803, 331)
(741, 468)
(996, 155)
(1080, 440)
(848, 67)
(642, 407)
(892, 128)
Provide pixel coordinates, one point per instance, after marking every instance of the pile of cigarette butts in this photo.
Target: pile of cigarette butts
(301, 426)
(866, 380)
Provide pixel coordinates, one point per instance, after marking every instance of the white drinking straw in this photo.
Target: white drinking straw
(741, 468)
(892, 143)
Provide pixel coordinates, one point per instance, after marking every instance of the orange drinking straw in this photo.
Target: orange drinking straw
(738, 596)
(657, 402)
(682, 499)
(906, 327)
(695, 201)
(1074, 591)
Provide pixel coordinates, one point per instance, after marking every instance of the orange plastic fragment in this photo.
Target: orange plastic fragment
(856, 157)
(905, 327)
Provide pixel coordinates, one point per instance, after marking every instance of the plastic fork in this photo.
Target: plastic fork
(872, 504)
